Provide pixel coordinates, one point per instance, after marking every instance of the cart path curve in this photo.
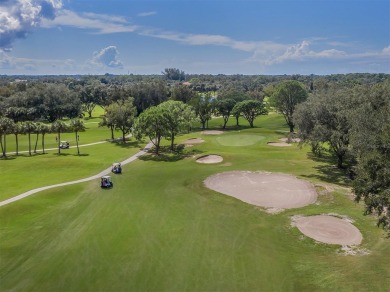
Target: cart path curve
(104, 172)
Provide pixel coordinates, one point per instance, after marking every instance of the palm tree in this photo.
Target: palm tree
(28, 127)
(6, 125)
(59, 127)
(37, 130)
(44, 129)
(16, 130)
(77, 126)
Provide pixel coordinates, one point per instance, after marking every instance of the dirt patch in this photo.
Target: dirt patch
(264, 189)
(329, 229)
(279, 144)
(210, 159)
(212, 132)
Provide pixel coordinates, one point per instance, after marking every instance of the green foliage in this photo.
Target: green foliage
(323, 119)
(250, 109)
(182, 93)
(77, 125)
(173, 74)
(6, 126)
(224, 107)
(150, 123)
(370, 140)
(203, 105)
(177, 117)
(121, 115)
(285, 98)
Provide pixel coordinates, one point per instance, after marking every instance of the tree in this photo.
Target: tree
(92, 94)
(323, 120)
(108, 122)
(173, 74)
(16, 130)
(6, 125)
(225, 107)
(123, 115)
(59, 102)
(285, 98)
(77, 125)
(37, 132)
(250, 109)
(59, 127)
(370, 141)
(44, 129)
(150, 123)
(177, 117)
(203, 106)
(182, 93)
(28, 127)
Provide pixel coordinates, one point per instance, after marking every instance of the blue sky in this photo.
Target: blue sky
(196, 36)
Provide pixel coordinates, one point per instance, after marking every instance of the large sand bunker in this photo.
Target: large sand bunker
(329, 229)
(270, 190)
(210, 159)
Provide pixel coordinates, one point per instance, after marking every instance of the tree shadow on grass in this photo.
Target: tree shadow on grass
(167, 155)
(127, 145)
(328, 171)
(8, 157)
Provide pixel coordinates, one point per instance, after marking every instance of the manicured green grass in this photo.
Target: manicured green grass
(160, 229)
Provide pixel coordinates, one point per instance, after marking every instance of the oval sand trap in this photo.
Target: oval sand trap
(292, 140)
(210, 159)
(329, 229)
(192, 141)
(270, 190)
(212, 132)
(279, 144)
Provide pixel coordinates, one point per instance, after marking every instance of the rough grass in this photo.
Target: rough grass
(160, 229)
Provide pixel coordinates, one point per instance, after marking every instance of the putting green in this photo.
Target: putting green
(242, 140)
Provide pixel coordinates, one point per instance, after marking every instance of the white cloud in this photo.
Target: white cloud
(386, 51)
(103, 24)
(149, 13)
(19, 17)
(107, 57)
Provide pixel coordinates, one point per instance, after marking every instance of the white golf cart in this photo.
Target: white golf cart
(106, 182)
(116, 167)
(64, 144)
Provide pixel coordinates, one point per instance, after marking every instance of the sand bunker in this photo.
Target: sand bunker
(293, 140)
(192, 141)
(210, 159)
(212, 132)
(329, 229)
(279, 144)
(270, 190)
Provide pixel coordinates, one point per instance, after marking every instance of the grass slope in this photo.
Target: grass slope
(160, 229)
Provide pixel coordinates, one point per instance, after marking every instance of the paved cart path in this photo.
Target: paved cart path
(104, 172)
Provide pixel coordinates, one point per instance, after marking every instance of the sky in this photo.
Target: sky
(272, 37)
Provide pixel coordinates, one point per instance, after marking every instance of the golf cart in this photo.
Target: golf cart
(106, 182)
(116, 168)
(64, 144)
